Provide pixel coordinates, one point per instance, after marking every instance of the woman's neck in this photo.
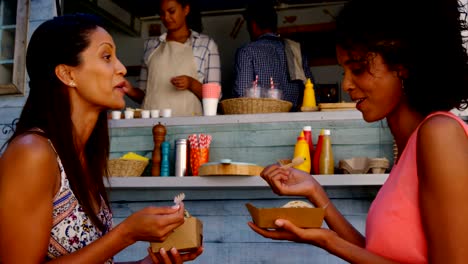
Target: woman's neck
(180, 35)
(402, 124)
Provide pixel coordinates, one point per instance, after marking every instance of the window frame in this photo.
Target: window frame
(17, 85)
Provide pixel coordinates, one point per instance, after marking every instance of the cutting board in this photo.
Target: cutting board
(229, 168)
(336, 106)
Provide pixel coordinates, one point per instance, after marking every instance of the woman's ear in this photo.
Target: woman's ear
(63, 73)
(186, 10)
(402, 72)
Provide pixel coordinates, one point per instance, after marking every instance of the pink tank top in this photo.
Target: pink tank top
(393, 227)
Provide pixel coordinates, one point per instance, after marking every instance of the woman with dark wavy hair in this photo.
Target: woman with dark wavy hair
(54, 206)
(404, 61)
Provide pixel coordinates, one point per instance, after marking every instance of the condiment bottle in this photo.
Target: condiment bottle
(327, 165)
(180, 166)
(165, 146)
(159, 134)
(302, 150)
(317, 152)
(307, 130)
(309, 95)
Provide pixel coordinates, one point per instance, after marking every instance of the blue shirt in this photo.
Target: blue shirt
(266, 58)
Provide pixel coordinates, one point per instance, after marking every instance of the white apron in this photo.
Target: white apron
(171, 59)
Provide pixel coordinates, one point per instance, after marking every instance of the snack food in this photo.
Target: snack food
(297, 204)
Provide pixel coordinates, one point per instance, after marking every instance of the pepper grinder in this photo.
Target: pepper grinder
(159, 135)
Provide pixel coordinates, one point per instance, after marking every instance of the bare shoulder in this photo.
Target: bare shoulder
(29, 158)
(441, 128)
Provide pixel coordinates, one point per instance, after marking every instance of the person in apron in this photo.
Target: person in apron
(177, 63)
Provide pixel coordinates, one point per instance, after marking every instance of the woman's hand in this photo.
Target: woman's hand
(289, 181)
(288, 231)
(171, 257)
(134, 93)
(153, 223)
(183, 82)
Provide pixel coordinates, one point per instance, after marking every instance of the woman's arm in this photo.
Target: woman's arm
(442, 158)
(29, 180)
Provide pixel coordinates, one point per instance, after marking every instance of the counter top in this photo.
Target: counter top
(238, 119)
(139, 189)
(196, 182)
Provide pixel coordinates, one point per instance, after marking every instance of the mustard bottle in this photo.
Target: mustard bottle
(302, 150)
(309, 95)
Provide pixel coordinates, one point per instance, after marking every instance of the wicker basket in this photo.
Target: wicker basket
(246, 105)
(126, 167)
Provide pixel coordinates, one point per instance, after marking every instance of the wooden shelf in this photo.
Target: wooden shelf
(139, 189)
(202, 182)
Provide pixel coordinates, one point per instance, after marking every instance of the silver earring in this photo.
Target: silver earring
(72, 84)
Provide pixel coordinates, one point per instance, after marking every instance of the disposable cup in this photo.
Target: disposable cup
(116, 114)
(145, 114)
(211, 90)
(154, 113)
(166, 112)
(129, 114)
(210, 106)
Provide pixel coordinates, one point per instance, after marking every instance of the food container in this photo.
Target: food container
(363, 165)
(186, 237)
(301, 217)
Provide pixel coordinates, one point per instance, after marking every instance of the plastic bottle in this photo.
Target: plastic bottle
(165, 146)
(317, 152)
(307, 130)
(302, 149)
(327, 164)
(309, 95)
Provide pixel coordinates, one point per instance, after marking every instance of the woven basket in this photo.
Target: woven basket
(126, 167)
(254, 105)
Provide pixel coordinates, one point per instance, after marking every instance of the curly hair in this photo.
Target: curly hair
(425, 37)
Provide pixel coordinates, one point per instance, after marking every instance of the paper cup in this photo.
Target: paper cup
(211, 90)
(210, 106)
(116, 114)
(166, 112)
(129, 114)
(145, 114)
(154, 113)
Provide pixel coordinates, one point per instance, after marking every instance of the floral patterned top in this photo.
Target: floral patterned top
(72, 229)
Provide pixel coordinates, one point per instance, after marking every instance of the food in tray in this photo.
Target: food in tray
(297, 204)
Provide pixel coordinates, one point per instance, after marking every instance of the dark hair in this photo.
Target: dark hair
(61, 40)
(263, 13)
(422, 36)
(193, 19)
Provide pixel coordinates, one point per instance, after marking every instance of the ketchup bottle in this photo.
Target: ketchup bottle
(307, 130)
(318, 150)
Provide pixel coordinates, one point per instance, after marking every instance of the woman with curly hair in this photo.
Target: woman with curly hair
(404, 61)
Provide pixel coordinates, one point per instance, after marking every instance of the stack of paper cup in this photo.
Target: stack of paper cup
(210, 95)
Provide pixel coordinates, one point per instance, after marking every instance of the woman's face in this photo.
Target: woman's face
(99, 78)
(173, 14)
(376, 89)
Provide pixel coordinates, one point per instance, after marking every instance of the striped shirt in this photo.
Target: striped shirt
(205, 52)
(266, 58)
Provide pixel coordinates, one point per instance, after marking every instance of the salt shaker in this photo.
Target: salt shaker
(180, 157)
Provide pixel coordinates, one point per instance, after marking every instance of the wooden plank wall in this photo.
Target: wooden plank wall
(227, 238)
(263, 143)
